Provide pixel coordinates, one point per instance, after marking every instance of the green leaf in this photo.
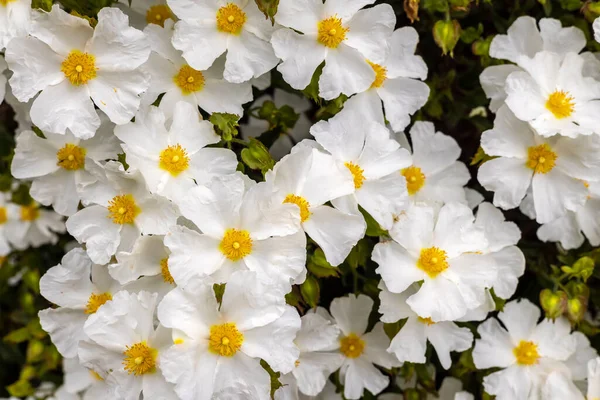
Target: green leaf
(318, 266)
(373, 228)
(17, 336)
(225, 124)
(360, 254)
(311, 291)
(275, 384)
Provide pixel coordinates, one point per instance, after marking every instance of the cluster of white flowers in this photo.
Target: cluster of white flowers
(179, 287)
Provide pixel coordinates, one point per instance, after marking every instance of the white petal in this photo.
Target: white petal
(495, 348)
(492, 80)
(57, 189)
(402, 97)
(117, 93)
(410, 344)
(396, 266)
(510, 136)
(559, 386)
(554, 193)
(33, 157)
(346, 72)
(553, 339)
(300, 15)
(61, 31)
(200, 44)
(446, 337)
(360, 374)
(520, 318)
(93, 227)
(508, 178)
(522, 38)
(68, 284)
(345, 9)
(65, 327)
(248, 56)
(351, 313)
(370, 30)
(376, 345)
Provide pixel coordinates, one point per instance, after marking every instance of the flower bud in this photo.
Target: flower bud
(257, 156)
(554, 304)
(576, 308)
(446, 35)
(311, 292)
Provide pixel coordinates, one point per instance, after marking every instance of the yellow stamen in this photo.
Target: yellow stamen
(71, 157)
(30, 212)
(164, 270)
(331, 32)
(561, 104)
(526, 353)
(174, 159)
(357, 173)
(189, 80)
(95, 301)
(301, 203)
(236, 244)
(225, 340)
(79, 68)
(426, 321)
(3, 215)
(433, 261)
(123, 209)
(231, 19)
(158, 14)
(352, 346)
(380, 74)
(415, 179)
(541, 159)
(140, 359)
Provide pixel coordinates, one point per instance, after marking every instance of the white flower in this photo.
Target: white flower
(34, 226)
(148, 257)
(119, 209)
(289, 391)
(172, 157)
(145, 12)
(570, 229)
(337, 32)
(524, 350)
(397, 82)
(317, 339)
(84, 381)
(361, 350)
(242, 228)
(410, 344)
(217, 350)
(15, 20)
(124, 346)
(435, 175)
(79, 289)
(309, 178)
(366, 149)
(170, 74)
(555, 168)
(451, 389)
(441, 249)
(554, 96)
(69, 62)
(284, 142)
(523, 38)
(59, 163)
(213, 27)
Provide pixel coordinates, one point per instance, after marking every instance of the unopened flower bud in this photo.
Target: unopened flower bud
(446, 35)
(554, 304)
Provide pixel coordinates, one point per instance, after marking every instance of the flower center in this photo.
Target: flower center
(352, 346)
(123, 209)
(331, 32)
(526, 353)
(189, 80)
(174, 159)
(71, 157)
(79, 68)
(541, 159)
(140, 359)
(357, 173)
(426, 321)
(5, 2)
(561, 104)
(230, 19)
(236, 244)
(433, 261)
(3, 215)
(95, 301)
(380, 74)
(415, 179)
(164, 270)
(158, 14)
(225, 340)
(301, 203)
(30, 212)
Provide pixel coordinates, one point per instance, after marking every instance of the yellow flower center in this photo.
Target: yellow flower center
(30, 212)
(380, 74)
(415, 179)
(426, 321)
(164, 270)
(561, 104)
(357, 173)
(79, 68)
(158, 14)
(433, 261)
(331, 32)
(96, 375)
(3, 215)
(526, 353)
(5, 2)
(71, 157)
(541, 159)
(123, 209)
(189, 80)
(225, 340)
(95, 301)
(236, 244)
(140, 359)
(301, 203)
(174, 159)
(230, 19)
(352, 346)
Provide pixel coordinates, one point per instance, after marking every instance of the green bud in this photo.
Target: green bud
(576, 308)
(27, 373)
(20, 388)
(31, 279)
(287, 117)
(584, 268)
(267, 111)
(311, 292)
(553, 304)
(412, 394)
(481, 47)
(257, 156)
(446, 35)
(460, 5)
(225, 125)
(268, 7)
(35, 350)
